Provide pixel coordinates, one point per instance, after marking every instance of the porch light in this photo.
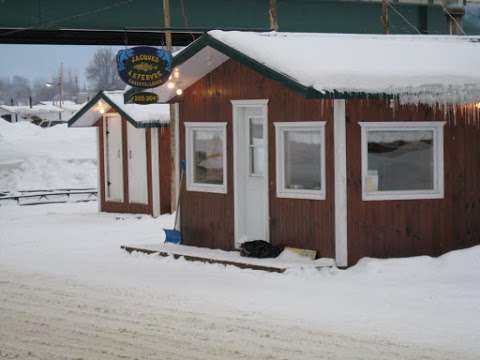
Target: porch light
(100, 107)
(477, 105)
(179, 92)
(176, 73)
(170, 85)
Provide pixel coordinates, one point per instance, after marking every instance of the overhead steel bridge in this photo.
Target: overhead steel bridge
(134, 22)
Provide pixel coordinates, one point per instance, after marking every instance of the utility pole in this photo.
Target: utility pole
(174, 187)
(167, 23)
(272, 12)
(385, 18)
(61, 84)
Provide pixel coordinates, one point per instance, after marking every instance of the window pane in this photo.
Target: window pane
(257, 159)
(256, 132)
(208, 156)
(303, 160)
(400, 160)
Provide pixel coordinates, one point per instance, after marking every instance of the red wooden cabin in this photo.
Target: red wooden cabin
(351, 145)
(133, 153)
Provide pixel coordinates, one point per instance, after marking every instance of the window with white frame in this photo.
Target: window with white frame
(300, 156)
(206, 155)
(402, 160)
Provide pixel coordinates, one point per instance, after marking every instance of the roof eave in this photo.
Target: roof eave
(102, 96)
(84, 109)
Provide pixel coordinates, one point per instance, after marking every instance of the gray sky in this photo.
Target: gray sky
(41, 61)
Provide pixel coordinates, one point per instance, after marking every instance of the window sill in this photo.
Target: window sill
(289, 194)
(217, 189)
(385, 196)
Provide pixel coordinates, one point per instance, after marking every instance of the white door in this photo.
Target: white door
(113, 157)
(251, 186)
(137, 165)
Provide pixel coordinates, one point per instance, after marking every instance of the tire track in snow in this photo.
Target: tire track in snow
(50, 318)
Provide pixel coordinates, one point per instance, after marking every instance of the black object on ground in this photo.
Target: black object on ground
(260, 249)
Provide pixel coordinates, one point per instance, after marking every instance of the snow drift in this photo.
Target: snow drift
(32, 157)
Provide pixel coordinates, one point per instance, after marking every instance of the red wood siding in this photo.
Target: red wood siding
(415, 227)
(208, 218)
(165, 169)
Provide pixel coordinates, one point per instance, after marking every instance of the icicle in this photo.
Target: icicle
(475, 114)
(445, 111)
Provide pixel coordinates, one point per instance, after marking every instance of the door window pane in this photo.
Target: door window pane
(256, 147)
(256, 131)
(302, 160)
(400, 160)
(208, 156)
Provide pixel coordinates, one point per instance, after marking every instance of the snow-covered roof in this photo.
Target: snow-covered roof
(415, 68)
(27, 110)
(42, 111)
(68, 105)
(141, 116)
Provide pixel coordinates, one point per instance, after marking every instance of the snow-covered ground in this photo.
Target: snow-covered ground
(32, 157)
(67, 291)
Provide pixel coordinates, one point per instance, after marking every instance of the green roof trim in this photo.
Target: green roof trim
(101, 96)
(84, 109)
(208, 40)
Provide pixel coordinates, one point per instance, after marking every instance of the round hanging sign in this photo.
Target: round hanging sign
(144, 67)
(143, 98)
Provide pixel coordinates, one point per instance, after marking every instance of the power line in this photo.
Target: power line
(390, 5)
(185, 19)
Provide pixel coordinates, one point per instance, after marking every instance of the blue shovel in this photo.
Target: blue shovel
(174, 236)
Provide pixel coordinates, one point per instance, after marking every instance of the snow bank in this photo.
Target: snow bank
(450, 267)
(32, 157)
(428, 69)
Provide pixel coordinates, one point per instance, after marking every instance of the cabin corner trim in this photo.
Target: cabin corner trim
(340, 175)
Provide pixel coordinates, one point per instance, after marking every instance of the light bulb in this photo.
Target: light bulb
(170, 85)
(179, 91)
(477, 105)
(102, 110)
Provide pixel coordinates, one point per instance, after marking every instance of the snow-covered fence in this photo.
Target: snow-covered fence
(38, 197)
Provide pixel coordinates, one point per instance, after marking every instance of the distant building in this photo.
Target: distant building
(134, 174)
(44, 114)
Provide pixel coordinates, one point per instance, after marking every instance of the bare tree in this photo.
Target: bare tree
(3, 91)
(102, 71)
